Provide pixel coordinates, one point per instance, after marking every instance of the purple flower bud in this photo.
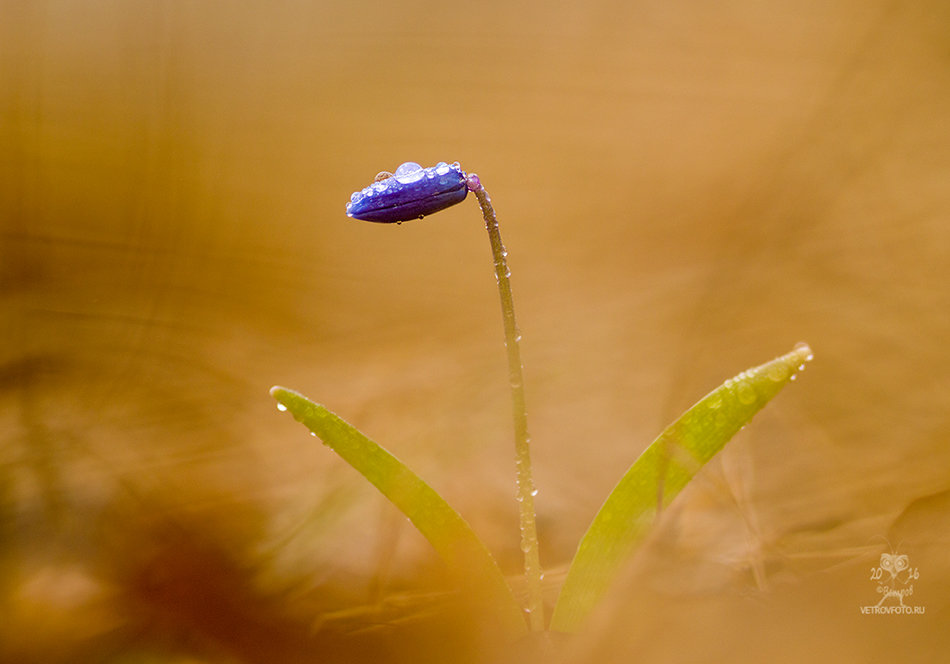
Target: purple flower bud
(410, 193)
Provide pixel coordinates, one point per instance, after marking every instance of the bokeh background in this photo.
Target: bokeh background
(686, 189)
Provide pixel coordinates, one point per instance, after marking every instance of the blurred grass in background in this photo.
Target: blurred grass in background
(686, 190)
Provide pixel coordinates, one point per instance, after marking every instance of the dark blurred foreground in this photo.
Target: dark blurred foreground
(686, 190)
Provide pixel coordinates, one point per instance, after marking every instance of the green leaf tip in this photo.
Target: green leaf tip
(453, 539)
(658, 475)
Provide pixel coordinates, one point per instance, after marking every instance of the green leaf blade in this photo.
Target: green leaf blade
(451, 536)
(658, 475)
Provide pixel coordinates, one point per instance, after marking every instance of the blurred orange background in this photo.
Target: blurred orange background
(686, 189)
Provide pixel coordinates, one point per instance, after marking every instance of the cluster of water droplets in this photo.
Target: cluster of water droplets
(406, 175)
(525, 490)
(803, 354)
(744, 389)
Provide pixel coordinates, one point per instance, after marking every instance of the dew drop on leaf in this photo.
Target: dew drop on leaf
(778, 372)
(746, 394)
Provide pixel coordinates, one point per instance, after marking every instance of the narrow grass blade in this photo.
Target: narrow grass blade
(660, 473)
(446, 530)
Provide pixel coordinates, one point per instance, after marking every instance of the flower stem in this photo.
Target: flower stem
(525, 484)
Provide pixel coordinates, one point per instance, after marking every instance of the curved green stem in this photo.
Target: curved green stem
(525, 483)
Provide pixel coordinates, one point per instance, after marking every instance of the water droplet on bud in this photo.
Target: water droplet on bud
(409, 172)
